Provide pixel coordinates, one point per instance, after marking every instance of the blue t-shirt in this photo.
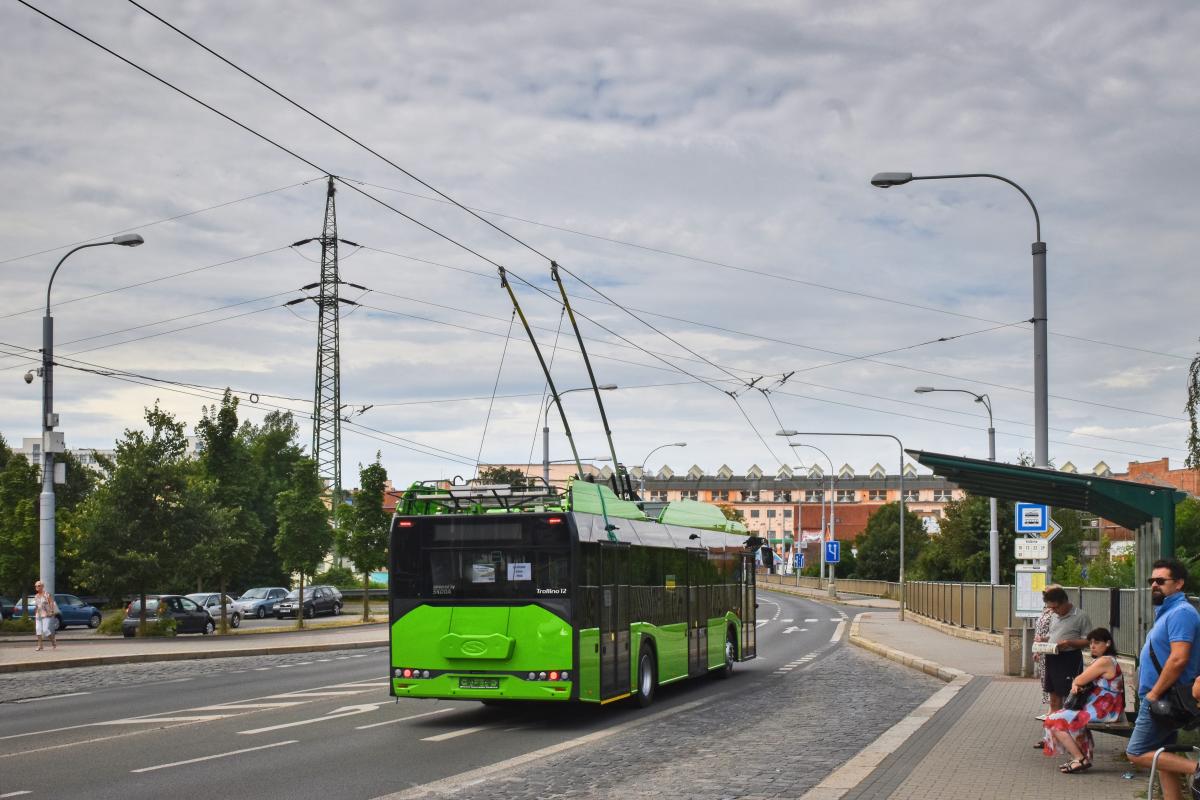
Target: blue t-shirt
(1174, 621)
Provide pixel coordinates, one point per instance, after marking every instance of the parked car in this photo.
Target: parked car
(6, 608)
(189, 616)
(211, 601)
(317, 600)
(261, 601)
(71, 611)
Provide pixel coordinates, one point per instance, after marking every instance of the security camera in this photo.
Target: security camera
(29, 377)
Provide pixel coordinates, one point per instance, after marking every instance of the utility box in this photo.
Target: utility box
(60, 472)
(54, 442)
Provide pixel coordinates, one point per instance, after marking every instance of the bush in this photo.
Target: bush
(110, 624)
(155, 626)
(340, 577)
(17, 625)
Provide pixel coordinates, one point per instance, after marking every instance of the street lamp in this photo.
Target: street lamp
(896, 439)
(46, 531)
(608, 387)
(1041, 411)
(642, 468)
(994, 534)
(832, 515)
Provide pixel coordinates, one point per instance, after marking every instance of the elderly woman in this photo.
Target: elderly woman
(1041, 633)
(1066, 730)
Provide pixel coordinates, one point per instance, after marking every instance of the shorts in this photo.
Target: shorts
(1148, 735)
(1061, 669)
(45, 626)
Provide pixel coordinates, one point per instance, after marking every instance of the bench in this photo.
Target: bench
(1123, 728)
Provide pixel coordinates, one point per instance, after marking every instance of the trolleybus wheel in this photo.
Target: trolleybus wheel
(647, 677)
(726, 669)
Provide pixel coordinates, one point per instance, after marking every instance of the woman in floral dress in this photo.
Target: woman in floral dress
(1066, 731)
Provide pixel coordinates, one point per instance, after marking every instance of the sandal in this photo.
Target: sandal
(1075, 765)
(1041, 745)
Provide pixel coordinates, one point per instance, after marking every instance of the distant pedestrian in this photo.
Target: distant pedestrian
(1067, 730)
(1068, 630)
(45, 614)
(1172, 641)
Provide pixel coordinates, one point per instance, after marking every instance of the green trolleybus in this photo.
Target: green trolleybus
(513, 593)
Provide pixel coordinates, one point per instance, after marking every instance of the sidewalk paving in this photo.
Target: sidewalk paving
(980, 744)
(22, 657)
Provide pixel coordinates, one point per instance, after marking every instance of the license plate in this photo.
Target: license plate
(479, 683)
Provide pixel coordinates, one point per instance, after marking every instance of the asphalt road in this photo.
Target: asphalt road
(324, 727)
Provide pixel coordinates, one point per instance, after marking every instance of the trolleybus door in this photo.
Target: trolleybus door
(749, 604)
(614, 620)
(697, 595)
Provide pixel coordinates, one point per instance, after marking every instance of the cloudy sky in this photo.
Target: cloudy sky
(704, 165)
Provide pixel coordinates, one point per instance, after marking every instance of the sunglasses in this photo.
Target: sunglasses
(1159, 581)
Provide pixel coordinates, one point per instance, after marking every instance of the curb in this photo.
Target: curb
(983, 637)
(142, 658)
(947, 674)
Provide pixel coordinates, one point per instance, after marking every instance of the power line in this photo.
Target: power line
(145, 225)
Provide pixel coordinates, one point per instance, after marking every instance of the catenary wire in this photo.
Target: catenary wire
(495, 388)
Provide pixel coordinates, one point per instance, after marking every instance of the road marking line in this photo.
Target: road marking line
(261, 669)
(47, 697)
(403, 719)
(17, 793)
(812, 619)
(789, 619)
(837, 634)
(362, 685)
(337, 713)
(836, 619)
(152, 720)
(218, 755)
(441, 737)
(249, 706)
(285, 666)
(302, 693)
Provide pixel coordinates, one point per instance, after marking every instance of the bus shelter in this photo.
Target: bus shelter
(1146, 509)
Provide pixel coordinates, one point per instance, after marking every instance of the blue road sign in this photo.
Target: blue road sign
(1032, 518)
(799, 559)
(833, 552)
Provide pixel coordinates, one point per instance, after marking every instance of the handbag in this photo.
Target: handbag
(1077, 700)
(1176, 708)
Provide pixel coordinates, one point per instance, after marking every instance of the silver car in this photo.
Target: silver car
(261, 601)
(211, 602)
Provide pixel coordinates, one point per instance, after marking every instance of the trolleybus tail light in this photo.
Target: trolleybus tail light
(553, 676)
(408, 673)
(548, 676)
(405, 523)
(554, 521)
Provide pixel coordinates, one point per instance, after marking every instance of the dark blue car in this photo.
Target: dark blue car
(71, 611)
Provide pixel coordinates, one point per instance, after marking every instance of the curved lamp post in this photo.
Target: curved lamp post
(642, 468)
(608, 387)
(832, 515)
(896, 439)
(46, 531)
(994, 534)
(1041, 412)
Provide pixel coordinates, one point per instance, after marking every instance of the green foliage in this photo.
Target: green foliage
(731, 513)
(1192, 406)
(17, 625)
(1069, 572)
(848, 566)
(140, 522)
(110, 625)
(1102, 571)
(304, 534)
(499, 474)
(879, 543)
(157, 626)
(19, 489)
(961, 551)
(362, 533)
(273, 451)
(341, 577)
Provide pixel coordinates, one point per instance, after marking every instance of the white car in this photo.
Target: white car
(211, 602)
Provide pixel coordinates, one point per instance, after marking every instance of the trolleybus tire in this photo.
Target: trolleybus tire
(726, 669)
(647, 677)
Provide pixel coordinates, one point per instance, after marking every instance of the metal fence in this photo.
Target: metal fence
(984, 607)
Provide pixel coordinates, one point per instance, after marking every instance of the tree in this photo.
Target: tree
(136, 524)
(504, 475)
(879, 543)
(962, 550)
(19, 487)
(304, 534)
(732, 513)
(363, 527)
(274, 451)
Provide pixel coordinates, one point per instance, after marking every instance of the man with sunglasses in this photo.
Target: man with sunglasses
(1172, 641)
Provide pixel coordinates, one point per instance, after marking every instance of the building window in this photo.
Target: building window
(754, 513)
(787, 513)
(721, 496)
(845, 495)
(911, 496)
(941, 495)
(877, 496)
(750, 496)
(658, 495)
(783, 496)
(814, 496)
(688, 494)
(771, 513)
